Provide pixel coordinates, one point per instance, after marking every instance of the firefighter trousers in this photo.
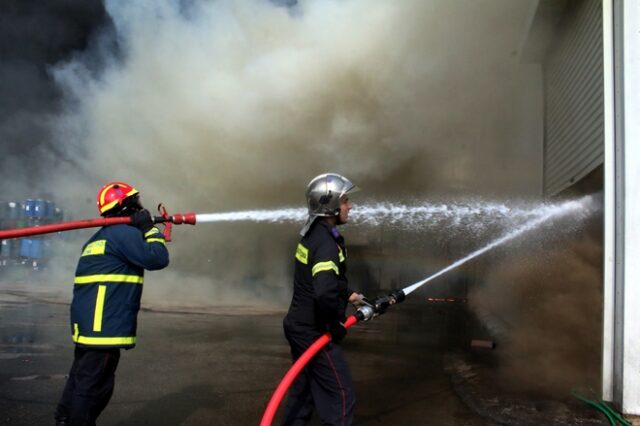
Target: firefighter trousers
(89, 386)
(325, 383)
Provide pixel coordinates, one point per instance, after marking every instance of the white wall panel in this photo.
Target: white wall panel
(574, 108)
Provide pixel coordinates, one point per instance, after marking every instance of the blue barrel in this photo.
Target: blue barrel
(5, 248)
(51, 211)
(4, 212)
(40, 209)
(25, 247)
(15, 248)
(37, 249)
(29, 208)
(14, 211)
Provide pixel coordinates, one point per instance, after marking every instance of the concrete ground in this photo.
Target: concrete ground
(220, 368)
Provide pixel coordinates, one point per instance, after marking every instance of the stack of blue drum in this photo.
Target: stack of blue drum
(29, 250)
(10, 216)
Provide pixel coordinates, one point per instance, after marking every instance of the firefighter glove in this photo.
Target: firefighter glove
(337, 331)
(142, 220)
(360, 300)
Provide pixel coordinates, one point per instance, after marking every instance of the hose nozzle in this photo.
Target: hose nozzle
(398, 296)
(382, 303)
(169, 221)
(180, 218)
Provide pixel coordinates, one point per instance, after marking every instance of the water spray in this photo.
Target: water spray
(379, 305)
(457, 216)
(563, 209)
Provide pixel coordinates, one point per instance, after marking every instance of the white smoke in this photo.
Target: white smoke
(230, 105)
(240, 103)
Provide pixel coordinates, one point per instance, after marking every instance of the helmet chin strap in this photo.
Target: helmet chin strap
(336, 218)
(129, 207)
(129, 210)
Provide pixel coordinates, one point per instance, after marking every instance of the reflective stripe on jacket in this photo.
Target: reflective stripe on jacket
(108, 284)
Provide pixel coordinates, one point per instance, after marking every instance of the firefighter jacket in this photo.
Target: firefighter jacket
(320, 292)
(108, 284)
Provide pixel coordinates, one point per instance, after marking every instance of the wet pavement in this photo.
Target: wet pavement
(220, 368)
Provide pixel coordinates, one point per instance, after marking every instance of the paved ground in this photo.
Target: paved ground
(220, 369)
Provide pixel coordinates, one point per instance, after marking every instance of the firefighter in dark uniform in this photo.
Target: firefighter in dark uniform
(106, 300)
(320, 297)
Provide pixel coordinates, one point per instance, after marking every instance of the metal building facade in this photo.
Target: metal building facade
(574, 97)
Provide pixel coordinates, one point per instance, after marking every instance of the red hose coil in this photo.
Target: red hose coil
(296, 368)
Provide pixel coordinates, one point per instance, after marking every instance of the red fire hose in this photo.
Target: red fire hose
(59, 227)
(295, 369)
(364, 313)
(178, 218)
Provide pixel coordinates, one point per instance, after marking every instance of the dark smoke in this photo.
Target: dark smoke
(542, 303)
(35, 35)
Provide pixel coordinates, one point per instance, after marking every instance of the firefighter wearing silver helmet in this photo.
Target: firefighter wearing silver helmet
(318, 305)
(324, 194)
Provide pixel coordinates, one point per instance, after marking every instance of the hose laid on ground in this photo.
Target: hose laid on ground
(297, 367)
(611, 414)
(614, 413)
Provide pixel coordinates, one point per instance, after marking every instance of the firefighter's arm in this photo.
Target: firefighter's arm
(326, 286)
(146, 250)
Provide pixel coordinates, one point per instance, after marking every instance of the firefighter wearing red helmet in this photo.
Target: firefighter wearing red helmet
(106, 300)
(116, 196)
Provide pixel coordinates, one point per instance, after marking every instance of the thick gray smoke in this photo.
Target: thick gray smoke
(225, 105)
(237, 104)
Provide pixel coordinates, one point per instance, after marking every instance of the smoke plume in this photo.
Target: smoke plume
(244, 102)
(225, 105)
(542, 303)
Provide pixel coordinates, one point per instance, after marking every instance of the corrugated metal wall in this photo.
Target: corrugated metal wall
(574, 103)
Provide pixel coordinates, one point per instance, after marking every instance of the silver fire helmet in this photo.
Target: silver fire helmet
(323, 194)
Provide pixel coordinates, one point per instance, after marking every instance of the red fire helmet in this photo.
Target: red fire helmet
(113, 194)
